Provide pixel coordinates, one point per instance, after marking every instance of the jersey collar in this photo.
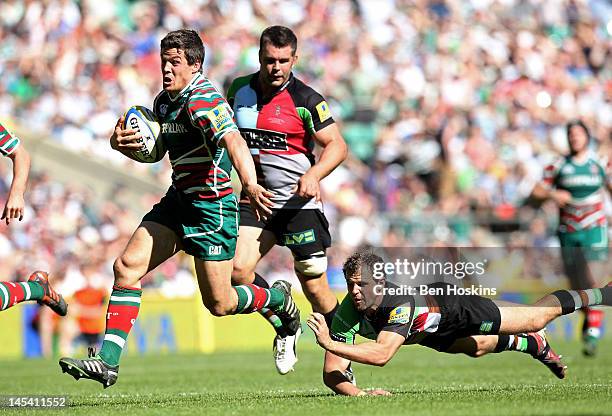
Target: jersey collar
(255, 85)
(587, 160)
(187, 88)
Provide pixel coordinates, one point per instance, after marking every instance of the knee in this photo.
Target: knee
(313, 266)
(311, 273)
(124, 271)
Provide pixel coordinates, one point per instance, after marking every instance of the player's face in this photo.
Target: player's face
(578, 139)
(176, 71)
(275, 65)
(361, 290)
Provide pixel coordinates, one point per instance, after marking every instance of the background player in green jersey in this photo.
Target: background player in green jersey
(37, 287)
(577, 183)
(282, 118)
(198, 214)
(471, 325)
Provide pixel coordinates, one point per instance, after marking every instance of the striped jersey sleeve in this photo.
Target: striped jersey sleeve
(551, 172)
(211, 113)
(8, 141)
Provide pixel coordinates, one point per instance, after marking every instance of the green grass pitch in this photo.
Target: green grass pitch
(245, 383)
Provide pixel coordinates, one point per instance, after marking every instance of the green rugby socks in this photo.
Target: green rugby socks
(122, 311)
(12, 293)
(253, 298)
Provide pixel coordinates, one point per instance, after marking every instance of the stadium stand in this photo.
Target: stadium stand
(451, 108)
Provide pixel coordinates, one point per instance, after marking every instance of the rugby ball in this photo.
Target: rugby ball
(142, 119)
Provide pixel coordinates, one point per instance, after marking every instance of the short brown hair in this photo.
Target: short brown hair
(357, 260)
(279, 37)
(186, 40)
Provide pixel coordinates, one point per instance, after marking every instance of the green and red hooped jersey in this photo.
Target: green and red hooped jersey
(192, 124)
(8, 142)
(279, 133)
(586, 183)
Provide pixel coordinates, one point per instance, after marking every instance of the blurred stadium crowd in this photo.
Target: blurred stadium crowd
(450, 108)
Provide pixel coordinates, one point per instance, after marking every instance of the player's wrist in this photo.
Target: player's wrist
(250, 188)
(329, 344)
(17, 190)
(314, 173)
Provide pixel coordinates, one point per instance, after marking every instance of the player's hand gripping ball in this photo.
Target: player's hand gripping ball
(142, 119)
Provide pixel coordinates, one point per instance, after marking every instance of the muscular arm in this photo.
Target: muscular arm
(21, 170)
(240, 156)
(542, 192)
(339, 354)
(334, 153)
(372, 353)
(335, 366)
(15, 202)
(334, 378)
(241, 159)
(345, 325)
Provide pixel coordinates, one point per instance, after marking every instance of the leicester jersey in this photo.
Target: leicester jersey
(192, 124)
(8, 141)
(585, 182)
(279, 132)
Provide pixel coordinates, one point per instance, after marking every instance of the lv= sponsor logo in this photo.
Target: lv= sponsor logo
(297, 239)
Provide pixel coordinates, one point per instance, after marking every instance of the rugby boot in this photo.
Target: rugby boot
(92, 368)
(547, 356)
(51, 298)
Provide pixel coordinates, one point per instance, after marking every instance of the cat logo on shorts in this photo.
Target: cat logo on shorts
(214, 250)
